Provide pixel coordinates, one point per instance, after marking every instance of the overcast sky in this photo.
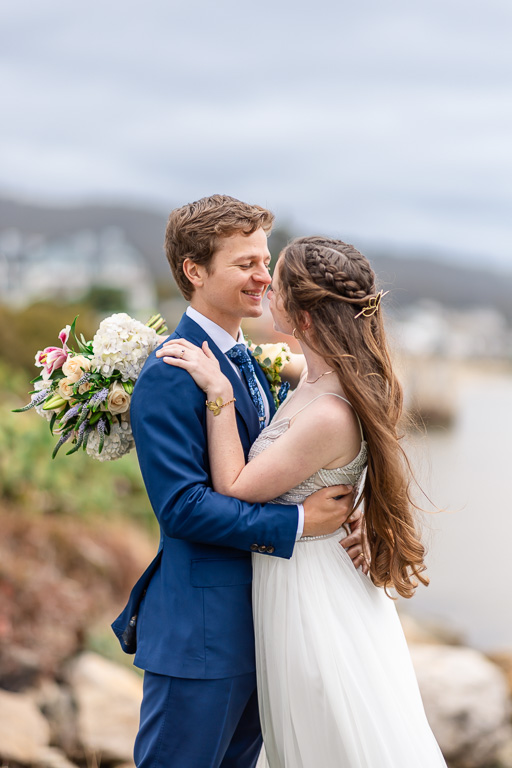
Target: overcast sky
(379, 122)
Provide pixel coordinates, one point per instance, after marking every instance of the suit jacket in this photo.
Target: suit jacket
(191, 610)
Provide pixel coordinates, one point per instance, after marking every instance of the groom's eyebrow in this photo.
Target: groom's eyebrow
(249, 257)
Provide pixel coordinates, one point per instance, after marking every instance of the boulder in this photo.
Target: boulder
(427, 631)
(50, 757)
(57, 705)
(504, 660)
(24, 731)
(107, 699)
(466, 701)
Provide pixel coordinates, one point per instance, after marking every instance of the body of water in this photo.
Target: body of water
(468, 469)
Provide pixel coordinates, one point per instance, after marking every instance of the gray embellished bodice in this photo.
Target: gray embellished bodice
(350, 474)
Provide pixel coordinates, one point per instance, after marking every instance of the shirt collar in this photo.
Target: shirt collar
(222, 338)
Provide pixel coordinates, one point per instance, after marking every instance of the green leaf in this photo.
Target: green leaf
(257, 351)
(267, 362)
(52, 421)
(72, 330)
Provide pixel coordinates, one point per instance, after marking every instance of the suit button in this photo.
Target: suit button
(254, 547)
(271, 549)
(262, 548)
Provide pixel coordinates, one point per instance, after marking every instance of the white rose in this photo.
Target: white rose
(273, 351)
(65, 388)
(72, 368)
(118, 401)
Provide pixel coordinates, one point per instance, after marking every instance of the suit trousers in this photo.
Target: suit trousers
(187, 723)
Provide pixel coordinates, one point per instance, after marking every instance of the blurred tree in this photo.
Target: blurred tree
(24, 331)
(279, 237)
(106, 299)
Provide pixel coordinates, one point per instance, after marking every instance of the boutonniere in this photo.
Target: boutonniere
(272, 358)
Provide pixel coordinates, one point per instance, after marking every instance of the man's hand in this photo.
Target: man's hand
(326, 510)
(354, 543)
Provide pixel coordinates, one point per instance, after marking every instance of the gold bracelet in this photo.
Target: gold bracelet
(215, 405)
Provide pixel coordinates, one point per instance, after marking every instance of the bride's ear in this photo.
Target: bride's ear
(305, 321)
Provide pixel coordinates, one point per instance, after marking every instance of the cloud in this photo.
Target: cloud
(389, 122)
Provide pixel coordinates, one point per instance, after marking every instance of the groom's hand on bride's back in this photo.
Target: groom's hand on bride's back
(325, 511)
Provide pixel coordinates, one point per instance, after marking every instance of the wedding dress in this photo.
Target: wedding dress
(336, 684)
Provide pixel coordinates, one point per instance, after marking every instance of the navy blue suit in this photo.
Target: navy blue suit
(194, 630)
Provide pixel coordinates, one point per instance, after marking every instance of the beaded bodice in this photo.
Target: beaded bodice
(350, 474)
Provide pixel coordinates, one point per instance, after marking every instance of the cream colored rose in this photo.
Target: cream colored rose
(73, 366)
(118, 401)
(273, 351)
(65, 388)
(85, 387)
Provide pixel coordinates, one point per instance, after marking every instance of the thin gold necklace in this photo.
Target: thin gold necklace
(325, 373)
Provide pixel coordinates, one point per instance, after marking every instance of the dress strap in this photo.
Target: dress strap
(341, 398)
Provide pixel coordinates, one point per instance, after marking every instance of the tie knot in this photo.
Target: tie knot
(239, 354)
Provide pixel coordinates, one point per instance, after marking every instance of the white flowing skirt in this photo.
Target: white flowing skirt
(336, 684)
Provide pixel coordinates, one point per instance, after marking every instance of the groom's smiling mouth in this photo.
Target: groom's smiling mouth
(254, 294)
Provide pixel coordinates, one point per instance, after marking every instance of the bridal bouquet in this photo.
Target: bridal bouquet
(85, 393)
(272, 358)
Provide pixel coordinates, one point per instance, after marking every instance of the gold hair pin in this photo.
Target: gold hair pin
(372, 306)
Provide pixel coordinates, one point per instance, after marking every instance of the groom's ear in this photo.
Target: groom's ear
(195, 273)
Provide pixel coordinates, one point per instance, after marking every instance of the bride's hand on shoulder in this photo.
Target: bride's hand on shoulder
(200, 363)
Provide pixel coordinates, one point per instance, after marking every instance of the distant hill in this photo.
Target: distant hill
(145, 229)
(410, 278)
(414, 278)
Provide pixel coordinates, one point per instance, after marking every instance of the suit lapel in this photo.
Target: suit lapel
(190, 330)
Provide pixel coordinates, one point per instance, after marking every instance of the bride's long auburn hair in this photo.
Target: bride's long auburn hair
(333, 282)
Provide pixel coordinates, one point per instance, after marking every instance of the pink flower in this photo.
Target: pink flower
(52, 358)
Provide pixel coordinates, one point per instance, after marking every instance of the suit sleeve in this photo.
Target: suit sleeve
(168, 418)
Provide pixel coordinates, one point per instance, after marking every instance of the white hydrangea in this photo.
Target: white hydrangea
(123, 344)
(119, 442)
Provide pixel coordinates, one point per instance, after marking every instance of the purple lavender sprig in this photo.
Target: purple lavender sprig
(84, 378)
(69, 414)
(101, 431)
(37, 400)
(79, 438)
(98, 398)
(84, 411)
(61, 442)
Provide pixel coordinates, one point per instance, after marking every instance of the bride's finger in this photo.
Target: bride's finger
(178, 362)
(207, 351)
(172, 343)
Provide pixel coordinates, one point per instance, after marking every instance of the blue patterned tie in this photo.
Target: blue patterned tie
(242, 359)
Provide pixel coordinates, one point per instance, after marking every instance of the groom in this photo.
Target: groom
(189, 617)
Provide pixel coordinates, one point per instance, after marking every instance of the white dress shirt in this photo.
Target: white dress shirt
(225, 341)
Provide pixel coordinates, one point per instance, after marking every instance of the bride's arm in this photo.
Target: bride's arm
(312, 442)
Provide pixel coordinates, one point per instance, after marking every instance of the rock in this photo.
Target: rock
(426, 631)
(107, 698)
(466, 701)
(57, 705)
(504, 660)
(50, 757)
(504, 756)
(23, 729)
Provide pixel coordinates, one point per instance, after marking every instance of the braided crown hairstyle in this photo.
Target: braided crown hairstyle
(333, 281)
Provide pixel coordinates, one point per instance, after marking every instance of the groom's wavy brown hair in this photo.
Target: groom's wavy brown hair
(334, 282)
(193, 231)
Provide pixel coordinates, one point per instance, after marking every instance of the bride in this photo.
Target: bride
(336, 684)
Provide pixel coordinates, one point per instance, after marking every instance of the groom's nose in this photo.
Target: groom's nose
(262, 275)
